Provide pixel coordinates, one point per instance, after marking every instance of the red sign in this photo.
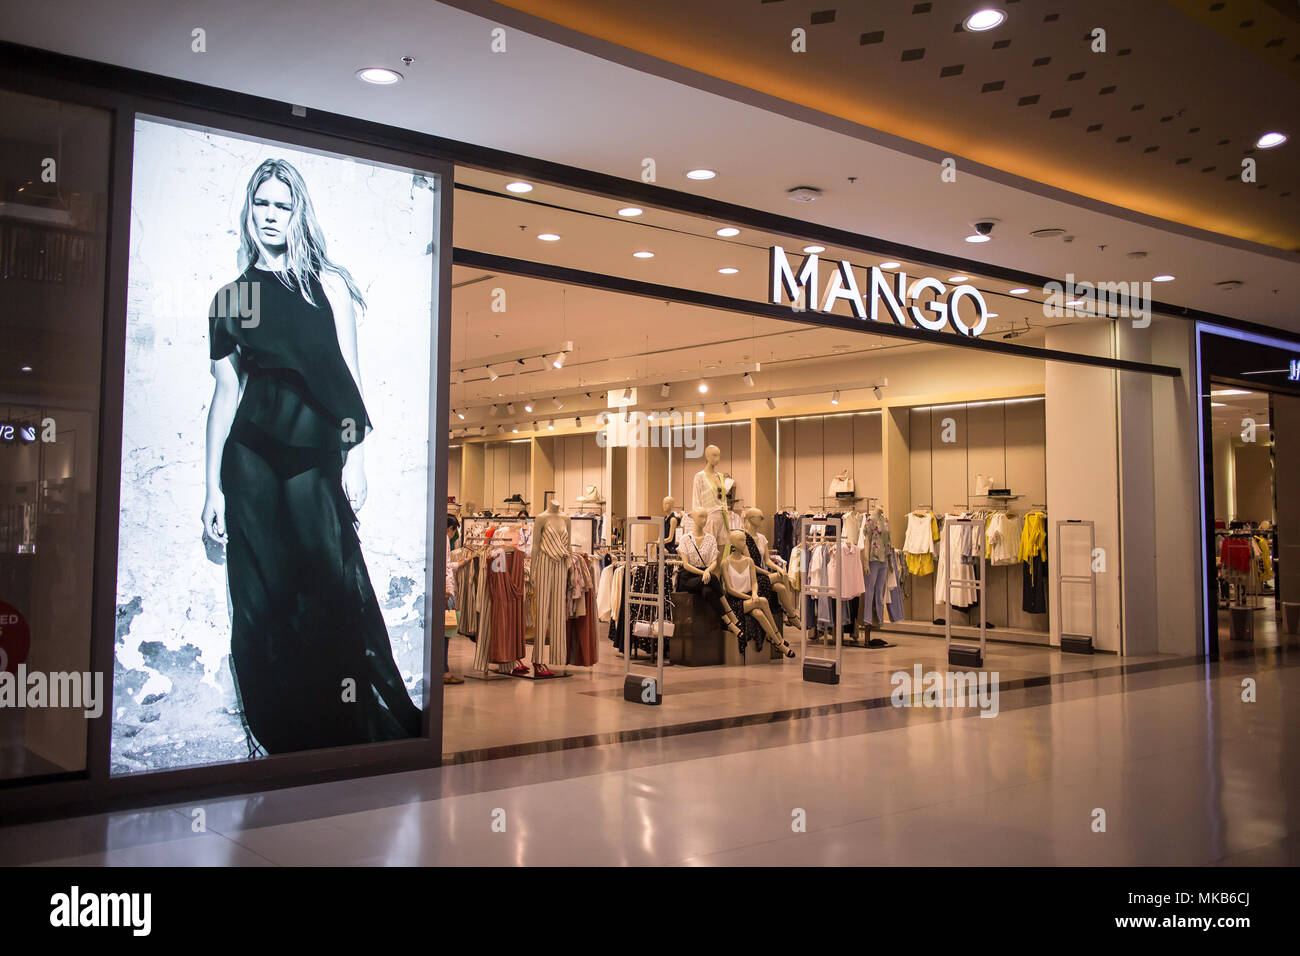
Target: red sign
(15, 638)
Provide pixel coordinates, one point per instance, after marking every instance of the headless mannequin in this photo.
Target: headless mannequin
(548, 519)
(671, 523)
(709, 492)
(780, 583)
(739, 565)
(707, 575)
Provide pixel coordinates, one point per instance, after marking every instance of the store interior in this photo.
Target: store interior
(1250, 540)
(550, 381)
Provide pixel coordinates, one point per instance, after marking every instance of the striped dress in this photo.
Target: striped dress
(549, 570)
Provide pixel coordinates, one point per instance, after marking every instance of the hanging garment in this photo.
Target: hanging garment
(1035, 586)
(894, 587)
(958, 555)
(1003, 538)
(604, 593)
(583, 647)
(468, 574)
(549, 575)
(920, 543)
(506, 584)
(874, 611)
(784, 530)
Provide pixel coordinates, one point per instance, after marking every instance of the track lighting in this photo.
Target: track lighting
(704, 387)
(726, 407)
(558, 361)
(514, 430)
(460, 415)
(501, 429)
(558, 403)
(528, 405)
(627, 394)
(493, 410)
(510, 408)
(749, 379)
(534, 426)
(877, 392)
(492, 375)
(550, 426)
(664, 390)
(835, 399)
(770, 404)
(650, 416)
(578, 422)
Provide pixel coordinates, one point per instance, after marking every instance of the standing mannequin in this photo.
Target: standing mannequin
(671, 523)
(709, 491)
(699, 575)
(767, 567)
(549, 570)
(740, 578)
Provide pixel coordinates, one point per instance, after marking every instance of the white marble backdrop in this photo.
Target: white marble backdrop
(174, 702)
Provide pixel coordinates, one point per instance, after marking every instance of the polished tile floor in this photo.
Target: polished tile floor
(1186, 771)
(491, 717)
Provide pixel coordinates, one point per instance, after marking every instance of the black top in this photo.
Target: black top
(298, 389)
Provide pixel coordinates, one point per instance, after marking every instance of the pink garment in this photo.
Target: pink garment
(852, 581)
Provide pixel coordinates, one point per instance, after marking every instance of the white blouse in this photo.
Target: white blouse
(701, 552)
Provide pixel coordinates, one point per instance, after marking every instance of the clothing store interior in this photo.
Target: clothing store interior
(1246, 526)
(816, 481)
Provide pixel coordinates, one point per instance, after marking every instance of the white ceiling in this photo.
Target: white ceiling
(544, 99)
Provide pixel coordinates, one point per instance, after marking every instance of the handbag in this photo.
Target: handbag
(842, 486)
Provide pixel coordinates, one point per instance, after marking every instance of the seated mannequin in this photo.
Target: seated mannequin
(699, 554)
(781, 585)
(740, 578)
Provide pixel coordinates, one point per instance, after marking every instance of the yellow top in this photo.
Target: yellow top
(1033, 539)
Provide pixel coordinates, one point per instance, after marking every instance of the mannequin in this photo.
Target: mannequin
(781, 585)
(549, 571)
(699, 574)
(740, 578)
(671, 522)
(709, 491)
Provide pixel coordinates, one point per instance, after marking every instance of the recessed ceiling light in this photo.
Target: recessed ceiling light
(548, 237)
(976, 237)
(1162, 278)
(519, 187)
(631, 211)
(891, 264)
(700, 174)
(643, 254)
(26, 368)
(1269, 140)
(728, 231)
(379, 75)
(982, 20)
(958, 278)
(1020, 291)
(728, 270)
(812, 250)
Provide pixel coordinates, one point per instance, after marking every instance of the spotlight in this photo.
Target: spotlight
(492, 375)
(726, 407)
(983, 20)
(514, 430)
(749, 379)
(627, 394)
(579, 422)
(835, 399)
(664, 390)
(493, 410)
(771, 404)
(558, 361)
(534, 426)
(877, 392)
(550, 426)
(501, 429)
(558, 404)
(651, 416)
(510, 408)
(704, 387)
(460, 415)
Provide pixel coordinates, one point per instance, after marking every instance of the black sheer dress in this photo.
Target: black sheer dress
(304, 618)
